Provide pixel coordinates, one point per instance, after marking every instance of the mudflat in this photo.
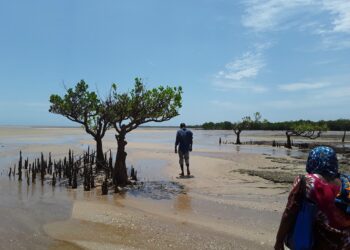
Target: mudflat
(234, 201)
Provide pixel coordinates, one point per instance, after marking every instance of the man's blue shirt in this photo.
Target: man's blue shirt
(184, 139)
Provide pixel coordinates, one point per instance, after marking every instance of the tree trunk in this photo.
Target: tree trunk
(343, 139)
(99, 153)
(289, 142)
(238, 135)
(120, 174)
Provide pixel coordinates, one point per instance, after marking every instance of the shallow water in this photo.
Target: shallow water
(14, 139)
(25, 209)
(209, 140)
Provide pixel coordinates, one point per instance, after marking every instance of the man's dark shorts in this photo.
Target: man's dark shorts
(184, 156)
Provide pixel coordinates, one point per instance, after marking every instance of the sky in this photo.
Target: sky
(287, 59)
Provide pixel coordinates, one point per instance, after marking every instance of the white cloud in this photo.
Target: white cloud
(337, 93)
(272, 15)
(294, 104)
(335, 41)
(247, 66)
(222, 85)
(223, 104)
(340, 10)
(326, 96)
(281, 104)
(325, 62)
(232, 106)
(302, 86)
(239, 73)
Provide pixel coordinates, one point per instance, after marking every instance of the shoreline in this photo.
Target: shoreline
(210, 208)
(222, 207)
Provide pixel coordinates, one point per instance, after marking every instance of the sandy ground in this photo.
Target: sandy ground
(220, 208)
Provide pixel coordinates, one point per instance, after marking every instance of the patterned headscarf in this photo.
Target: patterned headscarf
(322, 160)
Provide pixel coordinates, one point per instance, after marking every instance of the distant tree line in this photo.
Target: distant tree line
(333, 125)
(302, 128)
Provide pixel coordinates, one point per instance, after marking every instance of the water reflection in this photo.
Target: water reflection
(74, 193)
(19, 192)
(288, 152)
(122, 195)
(28, 192)
(88, 195)
(182, 203)
(149, 169)
(33, 190)
(42, 192)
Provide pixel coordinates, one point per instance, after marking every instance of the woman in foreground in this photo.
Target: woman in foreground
(331, 228)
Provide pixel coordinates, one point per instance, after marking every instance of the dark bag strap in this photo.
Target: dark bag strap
(306, 211)
(288, 240)
(302, 189)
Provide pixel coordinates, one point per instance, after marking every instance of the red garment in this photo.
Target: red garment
(323, 194)
(326, 237)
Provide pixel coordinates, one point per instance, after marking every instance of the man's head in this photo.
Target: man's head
(182, 125)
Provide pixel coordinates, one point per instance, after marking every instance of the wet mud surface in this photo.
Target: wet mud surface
(40, 217)
(156, 190)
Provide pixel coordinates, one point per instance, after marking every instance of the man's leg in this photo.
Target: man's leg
(181, 161)
(187, 160)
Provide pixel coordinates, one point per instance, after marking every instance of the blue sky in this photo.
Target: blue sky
(286, 59)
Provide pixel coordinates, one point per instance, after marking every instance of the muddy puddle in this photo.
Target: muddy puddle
(156, 190)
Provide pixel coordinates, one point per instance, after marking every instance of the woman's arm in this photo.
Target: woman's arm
(289, 214)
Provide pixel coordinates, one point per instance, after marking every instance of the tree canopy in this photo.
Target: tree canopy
(304, 129)
(245, 124)
(84, 107)
(124, 111)
(307, 129)
(81, 106)
(129, 110)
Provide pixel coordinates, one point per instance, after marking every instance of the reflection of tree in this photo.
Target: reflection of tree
(183, 203)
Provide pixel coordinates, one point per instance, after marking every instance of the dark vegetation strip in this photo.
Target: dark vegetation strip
(332, 125)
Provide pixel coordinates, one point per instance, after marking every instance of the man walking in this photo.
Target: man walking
(184, 138)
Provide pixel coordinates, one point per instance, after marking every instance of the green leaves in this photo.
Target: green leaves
(81, 106)
(124, 110)
(307, 129)
(140, 105)
(307, 126)
(246, 123)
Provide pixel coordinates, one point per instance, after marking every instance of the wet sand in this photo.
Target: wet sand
(220, 208)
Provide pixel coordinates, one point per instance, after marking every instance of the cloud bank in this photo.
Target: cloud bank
(274, 15)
